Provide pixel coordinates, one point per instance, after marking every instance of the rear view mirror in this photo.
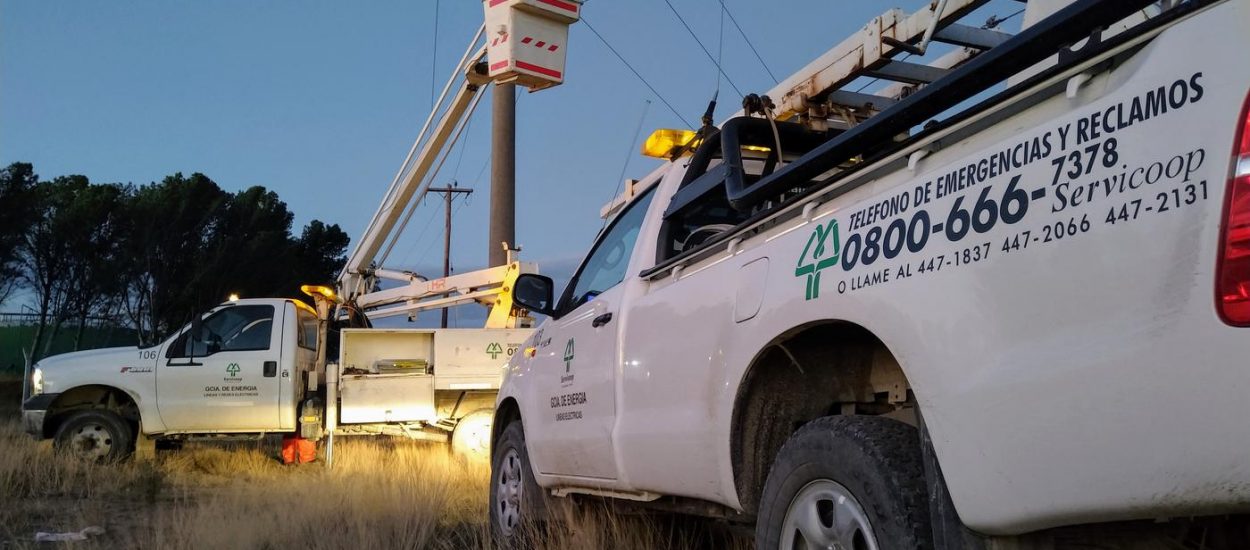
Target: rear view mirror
(535, 293)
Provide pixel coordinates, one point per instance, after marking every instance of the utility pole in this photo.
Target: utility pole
(502, 173)
(448, 193)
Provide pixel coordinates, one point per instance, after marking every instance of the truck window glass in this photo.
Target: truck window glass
(307, 334)
(745, 151)
(238, 328)
(608, 260)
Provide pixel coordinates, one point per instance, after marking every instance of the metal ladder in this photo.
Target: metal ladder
(817, 92)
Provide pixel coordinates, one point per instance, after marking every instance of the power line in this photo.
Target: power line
(417, 241)
(433, 242)
(635, 71)
(733, 20)
(620, 180)
(468, 135)
(478, 179)
(704, 48)
(875, 80)
(720, 47)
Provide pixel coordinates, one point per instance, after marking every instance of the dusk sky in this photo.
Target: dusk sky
(320, 101)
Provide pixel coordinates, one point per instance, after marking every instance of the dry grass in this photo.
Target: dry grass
(380, 494)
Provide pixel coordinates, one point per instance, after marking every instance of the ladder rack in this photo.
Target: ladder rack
(814, 95)
(1014, 61)
(815, 92)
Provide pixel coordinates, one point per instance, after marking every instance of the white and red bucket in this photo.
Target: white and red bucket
(526, 40)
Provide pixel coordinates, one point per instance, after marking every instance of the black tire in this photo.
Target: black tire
(513, 489)
(876, 460)
(95, 435)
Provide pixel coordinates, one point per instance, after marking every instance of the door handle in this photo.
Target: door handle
(602, 320)
(271, 369)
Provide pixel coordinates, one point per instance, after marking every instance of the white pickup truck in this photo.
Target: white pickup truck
(1021, 324)
(258, 366)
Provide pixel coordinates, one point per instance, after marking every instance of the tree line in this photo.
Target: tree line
(149, 256)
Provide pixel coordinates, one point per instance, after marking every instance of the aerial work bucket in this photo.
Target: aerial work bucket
(526, 40)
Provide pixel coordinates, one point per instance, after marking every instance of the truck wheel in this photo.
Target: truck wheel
(517, 502)
(95, 435)
(853, 482)
(471, 438)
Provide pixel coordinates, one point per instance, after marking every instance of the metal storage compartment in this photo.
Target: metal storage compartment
(473, 359)
(369, 396)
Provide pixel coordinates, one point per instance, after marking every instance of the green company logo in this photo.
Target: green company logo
(816, 256)
(494, 349)
(232, 369)
(568, 356)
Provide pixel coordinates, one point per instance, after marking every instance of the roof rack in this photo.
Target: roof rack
(815, 93)
(993, 65)
(876, 136)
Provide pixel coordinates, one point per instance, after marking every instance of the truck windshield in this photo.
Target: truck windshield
(237, 328)
(608, 260)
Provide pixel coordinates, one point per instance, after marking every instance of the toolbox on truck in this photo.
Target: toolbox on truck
(373, 384)
(391, 375)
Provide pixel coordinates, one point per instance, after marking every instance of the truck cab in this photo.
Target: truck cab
(237, 369)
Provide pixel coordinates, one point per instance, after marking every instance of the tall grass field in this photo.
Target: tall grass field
(381, 494)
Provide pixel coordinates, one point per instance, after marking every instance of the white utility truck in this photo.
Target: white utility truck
(1000, 303)
(252, 367)
(256, 366)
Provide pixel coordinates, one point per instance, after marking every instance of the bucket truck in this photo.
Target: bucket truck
(251, 367)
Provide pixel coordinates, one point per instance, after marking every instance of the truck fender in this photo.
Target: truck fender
(94, 396)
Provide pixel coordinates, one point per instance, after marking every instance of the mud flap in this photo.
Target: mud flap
(949, 532)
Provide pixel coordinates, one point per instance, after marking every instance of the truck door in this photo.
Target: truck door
(578, 367)
(223, 377)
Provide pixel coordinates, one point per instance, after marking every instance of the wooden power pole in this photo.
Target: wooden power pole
(448, 193)
(502, 173)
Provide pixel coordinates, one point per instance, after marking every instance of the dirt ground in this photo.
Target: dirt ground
(381, 493)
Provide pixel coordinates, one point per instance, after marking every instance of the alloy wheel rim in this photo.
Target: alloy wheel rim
(508, 492)
(824, 514)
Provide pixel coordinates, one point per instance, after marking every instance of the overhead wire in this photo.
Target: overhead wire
(636, 73)
(629, 155)
(463, 145)
(388, 203)
(440, 158)
(418, 240)
(701, 46)
(734, 20)
(876, 80)
(720, 48)
(486, 162)
(433, 242)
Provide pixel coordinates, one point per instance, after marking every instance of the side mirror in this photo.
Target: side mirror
(535, 293)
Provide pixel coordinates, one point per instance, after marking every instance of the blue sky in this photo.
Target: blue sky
(320, 100)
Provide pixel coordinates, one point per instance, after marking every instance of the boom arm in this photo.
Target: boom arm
(359, 278)
(499, 59)
(409, 185)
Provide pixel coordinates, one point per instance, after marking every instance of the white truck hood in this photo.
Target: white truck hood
(97, 366)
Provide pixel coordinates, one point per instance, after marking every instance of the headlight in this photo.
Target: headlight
(36, 382)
